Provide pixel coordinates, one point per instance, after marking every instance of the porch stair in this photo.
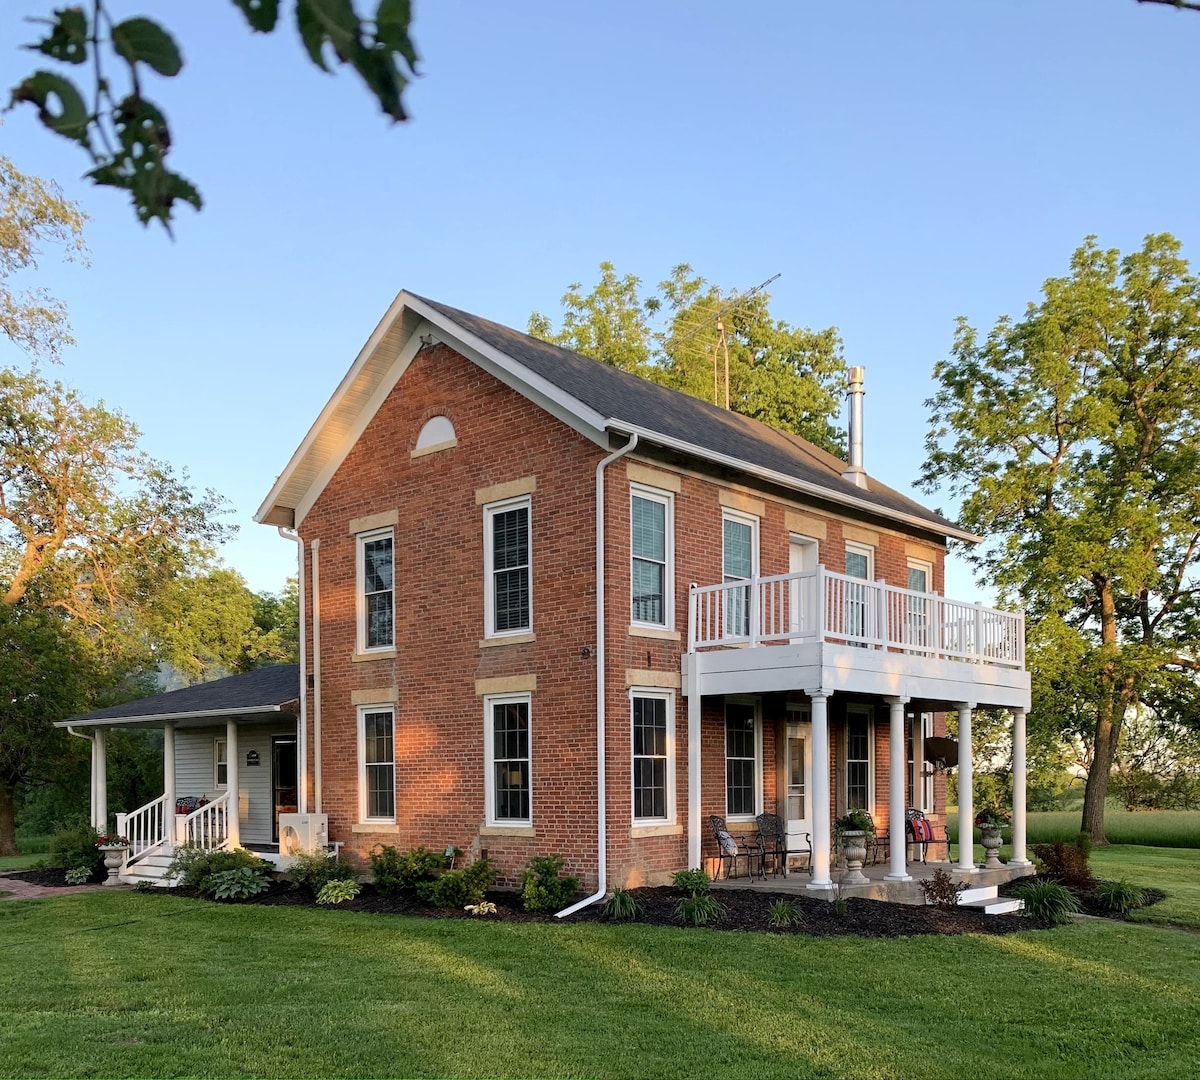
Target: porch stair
(986, 898)
(149, 869)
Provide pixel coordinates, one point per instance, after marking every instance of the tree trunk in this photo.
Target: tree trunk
(8, 823)
(1108, 720)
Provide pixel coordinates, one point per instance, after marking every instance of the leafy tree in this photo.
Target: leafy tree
(689, 333)
(126, 134)
(1072, 436)
(277, 616)
(33, 213)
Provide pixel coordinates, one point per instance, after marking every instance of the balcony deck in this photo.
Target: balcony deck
(822, 629)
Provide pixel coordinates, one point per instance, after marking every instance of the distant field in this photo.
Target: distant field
(1149, 828)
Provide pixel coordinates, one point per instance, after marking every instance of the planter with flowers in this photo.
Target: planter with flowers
(991, 819)
(850, 832)
(114, 847)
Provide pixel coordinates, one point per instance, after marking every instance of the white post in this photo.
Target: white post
(232, 786)
(966, 795)
(168, 821)
(897, 835)
(820, 814)
(753, 628)
(1019, 857)
(100, 762)
(881, 619)
(695, 806)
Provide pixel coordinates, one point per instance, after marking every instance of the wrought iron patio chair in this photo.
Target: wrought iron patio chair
(729, 850)
(922, 833)
(777, 845)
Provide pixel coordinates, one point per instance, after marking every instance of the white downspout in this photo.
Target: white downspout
(601, 778)
(302, 749)
(315, 545)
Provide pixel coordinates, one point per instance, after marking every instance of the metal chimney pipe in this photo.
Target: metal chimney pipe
(854, 465)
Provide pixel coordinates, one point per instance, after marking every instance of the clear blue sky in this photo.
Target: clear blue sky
(898, 164)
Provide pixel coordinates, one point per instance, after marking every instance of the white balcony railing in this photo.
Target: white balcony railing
(147, 828)
(820, 605)
(207, 826)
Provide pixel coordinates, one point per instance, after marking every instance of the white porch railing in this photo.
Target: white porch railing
(147, 828)
(207, 826)
(821, 605)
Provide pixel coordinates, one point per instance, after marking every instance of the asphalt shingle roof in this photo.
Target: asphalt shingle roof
(261, 688)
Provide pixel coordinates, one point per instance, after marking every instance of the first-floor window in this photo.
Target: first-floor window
(741, 759)
(653, 748)
(377, 763)
(220, 763)
(507, 733)
(858, 761)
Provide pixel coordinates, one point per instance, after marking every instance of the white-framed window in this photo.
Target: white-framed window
(860, 563)
(743, 759)
(653, 756)
(860, 759)
(508, 780)
(739, 560)
(918, 790)
(220, 763)
(652, 557)
(377, 763)
(918, 609)
(508, 568)
(376, 599)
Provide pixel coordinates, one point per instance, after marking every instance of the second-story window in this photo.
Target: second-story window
(509, 599)
(739, 561)
(376, 602)
(651, 530)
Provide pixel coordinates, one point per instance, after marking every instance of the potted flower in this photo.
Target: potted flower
(991, 819)
(850, 832)
(114, 847)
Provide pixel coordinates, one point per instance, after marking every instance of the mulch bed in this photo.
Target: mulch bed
(744, 910)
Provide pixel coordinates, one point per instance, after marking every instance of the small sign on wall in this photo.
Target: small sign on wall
(252, 761)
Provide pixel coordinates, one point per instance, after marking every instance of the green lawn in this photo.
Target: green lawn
(122, 984)
(1174, 870)
(19, 862)
(1155, 828)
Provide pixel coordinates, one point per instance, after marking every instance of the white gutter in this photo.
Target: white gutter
(302, 751)
(156, 718)
(786, 481)
(601, 779)
(316, 623)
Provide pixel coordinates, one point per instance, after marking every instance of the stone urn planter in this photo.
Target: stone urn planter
(991, 839)
(854, 848)
(114, 856)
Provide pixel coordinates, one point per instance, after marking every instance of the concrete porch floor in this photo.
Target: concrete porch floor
(876, 888)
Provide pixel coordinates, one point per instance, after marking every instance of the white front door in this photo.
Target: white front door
(797, 778)
(802, 601)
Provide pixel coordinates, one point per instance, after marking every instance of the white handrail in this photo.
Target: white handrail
(207, 826)
(146, 828)
(821, 605)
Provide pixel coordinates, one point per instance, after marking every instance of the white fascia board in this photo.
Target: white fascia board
(153, 718)
(785, 481)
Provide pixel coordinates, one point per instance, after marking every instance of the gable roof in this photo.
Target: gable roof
(273, 689)
(594, 398)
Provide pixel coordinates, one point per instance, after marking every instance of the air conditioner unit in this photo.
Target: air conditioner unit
(303, 832)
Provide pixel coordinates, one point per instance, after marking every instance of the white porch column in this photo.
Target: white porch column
(820, 794)
(1019, 858)
(966, 793)
(695, 825)
(232, 786)
(897, 834)
(168, 822)
(100, 780)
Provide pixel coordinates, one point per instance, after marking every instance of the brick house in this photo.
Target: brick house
(550, 607)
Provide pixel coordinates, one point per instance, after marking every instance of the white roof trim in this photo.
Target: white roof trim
(154, 718)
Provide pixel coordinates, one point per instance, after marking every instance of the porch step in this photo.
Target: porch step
(151, 869)
(986, 898)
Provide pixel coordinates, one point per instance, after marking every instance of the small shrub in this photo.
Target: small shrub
(239, 883)
(484, 907)
(193, 865)
(79, 875)
(338, 890)
(313, 870)
(458, 888)
(698, 909)
(694, 882)
(395, 871)
(1120, 897)
(1048, 900)
(942, 890)
(75, 845)
(1066, 863)
(784, 913)
(622, 906)
(544, 887)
